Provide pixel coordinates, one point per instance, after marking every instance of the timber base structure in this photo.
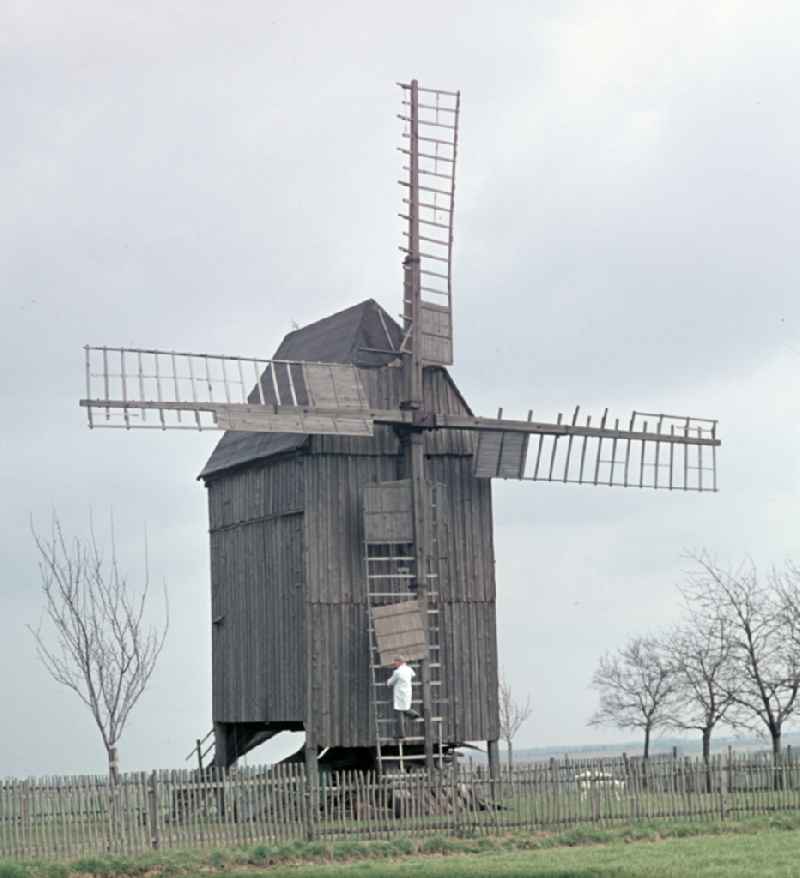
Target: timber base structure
(234, 741)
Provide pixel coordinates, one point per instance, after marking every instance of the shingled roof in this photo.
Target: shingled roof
(350, 336)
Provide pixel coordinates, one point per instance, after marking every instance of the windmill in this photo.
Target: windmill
(350, 502)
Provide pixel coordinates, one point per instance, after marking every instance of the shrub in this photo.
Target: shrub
(402, 846)
(350, 850)
(582, 835)
(12, 870)
(438, 844)
(314, 850)
(260, 855)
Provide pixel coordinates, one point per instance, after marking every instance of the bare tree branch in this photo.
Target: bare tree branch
(763, 622)
(636, 688)
(94, 639)
(700, 655)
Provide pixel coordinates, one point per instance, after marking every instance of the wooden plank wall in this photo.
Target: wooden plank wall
(257, 588)
(287, 564)
(467, 589)
(336, 474)
(336, 595)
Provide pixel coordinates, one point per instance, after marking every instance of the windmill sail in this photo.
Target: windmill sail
(429, 147)
(650, 451)
(138, 388)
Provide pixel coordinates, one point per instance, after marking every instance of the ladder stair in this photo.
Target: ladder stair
(392, 578)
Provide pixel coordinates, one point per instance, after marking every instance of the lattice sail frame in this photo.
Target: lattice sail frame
(436, 124)
(657, 451)
(143, 388)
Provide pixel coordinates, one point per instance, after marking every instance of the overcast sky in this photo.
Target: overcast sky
(201, 175)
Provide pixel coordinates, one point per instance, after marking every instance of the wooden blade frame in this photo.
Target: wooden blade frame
(138, 388)
(655, 451)
(430, 145)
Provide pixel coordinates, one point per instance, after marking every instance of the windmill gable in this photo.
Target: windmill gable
(355, 335)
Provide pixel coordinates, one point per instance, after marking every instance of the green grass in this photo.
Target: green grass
(764, 855)
(758, 846)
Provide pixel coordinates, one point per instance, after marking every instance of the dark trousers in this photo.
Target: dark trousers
(400, 721)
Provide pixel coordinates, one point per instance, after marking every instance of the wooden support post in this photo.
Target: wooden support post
(224, 750)
(493, 752)
(730, 769)
(419, 499)
(414, 449)
(152, 811)
(312, 789)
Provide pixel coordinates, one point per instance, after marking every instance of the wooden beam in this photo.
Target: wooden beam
(419, 499)
(469, 422)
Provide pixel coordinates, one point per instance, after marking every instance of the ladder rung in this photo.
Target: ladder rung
(399, 758)
(390, 719)
(388, 701)
(395, 594)
(430, 665)
(391, 558)
(430, 645)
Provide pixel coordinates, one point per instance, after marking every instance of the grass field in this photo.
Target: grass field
(767, 855)
(766, 846)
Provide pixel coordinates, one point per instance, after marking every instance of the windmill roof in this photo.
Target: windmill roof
(349, 336)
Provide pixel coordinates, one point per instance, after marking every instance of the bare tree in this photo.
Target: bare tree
(763, 620)
(512, 715)
(95, 640)
(699, 653)
(636, 688)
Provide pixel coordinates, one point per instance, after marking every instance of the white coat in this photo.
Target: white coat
(400, 681)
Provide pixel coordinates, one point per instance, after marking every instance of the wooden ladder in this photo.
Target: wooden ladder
(391, 579)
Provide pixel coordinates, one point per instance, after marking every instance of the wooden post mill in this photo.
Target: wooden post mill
(350, 505)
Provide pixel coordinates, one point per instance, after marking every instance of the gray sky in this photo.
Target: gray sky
(200, 175)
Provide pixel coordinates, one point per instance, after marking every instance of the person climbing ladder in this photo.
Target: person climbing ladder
(400, 681)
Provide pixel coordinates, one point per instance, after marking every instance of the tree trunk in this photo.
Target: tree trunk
(113, 765)
(776, 743)
(707, 756)
(646, 757)
(777, 760)
(510, 754)
(114, 812)
(706, 744)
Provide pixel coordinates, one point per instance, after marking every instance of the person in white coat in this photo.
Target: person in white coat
(400, 681)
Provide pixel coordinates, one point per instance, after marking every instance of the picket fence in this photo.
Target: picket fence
(62, 817)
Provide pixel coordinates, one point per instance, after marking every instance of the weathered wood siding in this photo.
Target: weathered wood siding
(336, 596)
(288, 579)
(336, 472)
(467, 592)
(257, 587)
